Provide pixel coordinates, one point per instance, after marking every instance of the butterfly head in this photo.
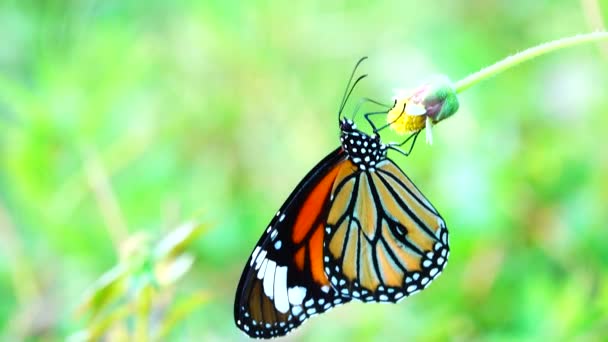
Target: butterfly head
(365, 151)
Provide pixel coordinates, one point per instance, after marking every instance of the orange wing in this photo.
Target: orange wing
(385, 239)
(283, 283)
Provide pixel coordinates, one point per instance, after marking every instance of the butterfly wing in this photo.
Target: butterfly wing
(283, 282)
(385, 240)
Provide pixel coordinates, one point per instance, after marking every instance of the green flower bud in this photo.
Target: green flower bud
(440, 99)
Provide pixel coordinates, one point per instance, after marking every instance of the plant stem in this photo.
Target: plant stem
(526, 55)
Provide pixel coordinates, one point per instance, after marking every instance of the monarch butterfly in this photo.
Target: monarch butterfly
(354, 227)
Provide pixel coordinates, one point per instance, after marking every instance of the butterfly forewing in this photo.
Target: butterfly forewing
(283, 282)
(385, 240)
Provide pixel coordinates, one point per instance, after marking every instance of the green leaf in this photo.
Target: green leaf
(178, 240)
(111, 285)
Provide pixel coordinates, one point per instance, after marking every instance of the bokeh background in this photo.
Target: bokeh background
(123, 117)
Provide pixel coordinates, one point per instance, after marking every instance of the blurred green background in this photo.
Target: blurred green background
(118, 117)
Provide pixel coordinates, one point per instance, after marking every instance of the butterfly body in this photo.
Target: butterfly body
(363, 150)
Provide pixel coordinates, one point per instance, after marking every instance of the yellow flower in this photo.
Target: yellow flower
(402, 121)
(408, 115)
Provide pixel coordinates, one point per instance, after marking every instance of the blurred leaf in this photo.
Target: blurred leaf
(110, 286)
(181, 309)
(101, 327)
(142, 313)
(169, 271)
(178, 240)
(133, 283)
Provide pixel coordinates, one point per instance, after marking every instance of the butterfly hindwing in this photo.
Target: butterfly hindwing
(283, 282)
(385, 240)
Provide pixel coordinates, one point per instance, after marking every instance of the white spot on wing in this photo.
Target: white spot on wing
(269, 279)
(259, 259)
(262, 269)
(254, 254)
(296, 295)
(281, 301)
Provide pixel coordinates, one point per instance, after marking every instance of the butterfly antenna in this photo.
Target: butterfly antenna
(350, 92)
(347, 92)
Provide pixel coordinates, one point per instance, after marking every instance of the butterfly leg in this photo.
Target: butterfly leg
(368, 115)
(368, 100)
(371, 123)
(376, 130)
(412, 137)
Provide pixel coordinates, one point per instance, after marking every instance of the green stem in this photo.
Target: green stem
(526, 55)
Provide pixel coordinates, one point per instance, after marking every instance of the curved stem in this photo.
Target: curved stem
(526, 55)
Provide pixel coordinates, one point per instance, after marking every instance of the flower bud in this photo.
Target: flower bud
(426, 105)
(440, 99)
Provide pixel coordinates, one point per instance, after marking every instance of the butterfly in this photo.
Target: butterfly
(355, 227)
